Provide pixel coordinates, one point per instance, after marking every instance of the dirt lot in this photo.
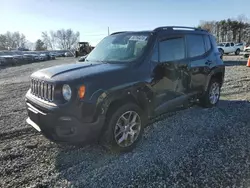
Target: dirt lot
(194, 147)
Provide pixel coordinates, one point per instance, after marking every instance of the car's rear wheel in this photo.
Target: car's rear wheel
(212, 95)
(237, 52)
(125, 127)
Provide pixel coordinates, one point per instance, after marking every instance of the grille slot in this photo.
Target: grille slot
(42, 90)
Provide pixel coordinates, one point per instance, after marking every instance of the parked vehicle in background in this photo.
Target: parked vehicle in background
(18, 59)
(69, 54)
(57, 54)
(3, 61)
(83, 49)
(52, 56)
(247, 48)
(241, 45)
(35, 56)
(43, 57)
(228, 47)
(29, 57)
(19, 56)
(9, 58)
(127, 79)
(61, 53)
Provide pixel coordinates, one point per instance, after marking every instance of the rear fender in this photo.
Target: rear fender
(214, 71)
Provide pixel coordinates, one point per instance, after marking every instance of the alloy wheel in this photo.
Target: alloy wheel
(127, 128)
(214, 93)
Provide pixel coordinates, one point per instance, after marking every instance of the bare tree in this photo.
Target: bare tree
(3, 42)
(12, 40)
(235, 30)
(62, 39)
(67, 39)
(30, 45)
(49, 39)
(40, 46)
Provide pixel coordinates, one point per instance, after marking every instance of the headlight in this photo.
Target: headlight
(66, 91)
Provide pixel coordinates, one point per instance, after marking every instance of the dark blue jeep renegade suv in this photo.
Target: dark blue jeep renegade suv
(128, 78)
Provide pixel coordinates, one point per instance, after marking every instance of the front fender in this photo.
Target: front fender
(139, 92)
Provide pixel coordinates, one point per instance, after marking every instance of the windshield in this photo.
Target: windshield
(124, 47)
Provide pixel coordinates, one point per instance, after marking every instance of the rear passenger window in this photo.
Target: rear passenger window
(196, 45)
(207, 42)
(172, 49)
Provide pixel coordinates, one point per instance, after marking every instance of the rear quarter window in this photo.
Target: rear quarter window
(196, 45)
(207, 42)
(214, 44)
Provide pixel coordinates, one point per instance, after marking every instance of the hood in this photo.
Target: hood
(74, 71)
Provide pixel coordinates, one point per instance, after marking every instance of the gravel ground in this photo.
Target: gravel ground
(194, 147)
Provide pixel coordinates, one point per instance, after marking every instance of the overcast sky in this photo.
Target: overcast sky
(92, 18)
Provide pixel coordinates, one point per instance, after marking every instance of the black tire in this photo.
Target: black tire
(76, 54)
(109, 140)
(205, 99)
(237, 52)
(15, 62)
(221, 51)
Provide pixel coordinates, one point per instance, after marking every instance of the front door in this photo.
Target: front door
(171, 77)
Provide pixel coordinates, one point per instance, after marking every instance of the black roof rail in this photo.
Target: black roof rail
(177, 27)
(118, 32)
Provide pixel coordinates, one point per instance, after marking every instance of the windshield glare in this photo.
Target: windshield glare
(124, 47)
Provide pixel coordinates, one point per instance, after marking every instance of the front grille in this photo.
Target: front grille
(42, 90)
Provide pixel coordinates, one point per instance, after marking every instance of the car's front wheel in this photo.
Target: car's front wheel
(212, 95)
(221, 51)
(125, 127)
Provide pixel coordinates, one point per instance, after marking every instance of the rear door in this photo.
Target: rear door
(199, 62)
(233, 47)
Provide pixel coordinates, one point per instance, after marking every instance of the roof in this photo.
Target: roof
(168, 29)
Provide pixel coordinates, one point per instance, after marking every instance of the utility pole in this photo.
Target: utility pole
(108, 30)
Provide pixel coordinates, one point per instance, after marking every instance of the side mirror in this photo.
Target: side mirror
(82, 59)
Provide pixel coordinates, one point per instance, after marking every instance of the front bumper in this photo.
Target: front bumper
(57, 126)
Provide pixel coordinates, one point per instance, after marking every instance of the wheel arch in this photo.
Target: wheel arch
(217, 73)
(110, 100)
(138, 93)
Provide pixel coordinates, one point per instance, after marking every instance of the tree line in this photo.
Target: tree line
(63, 39)
(229, 30)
